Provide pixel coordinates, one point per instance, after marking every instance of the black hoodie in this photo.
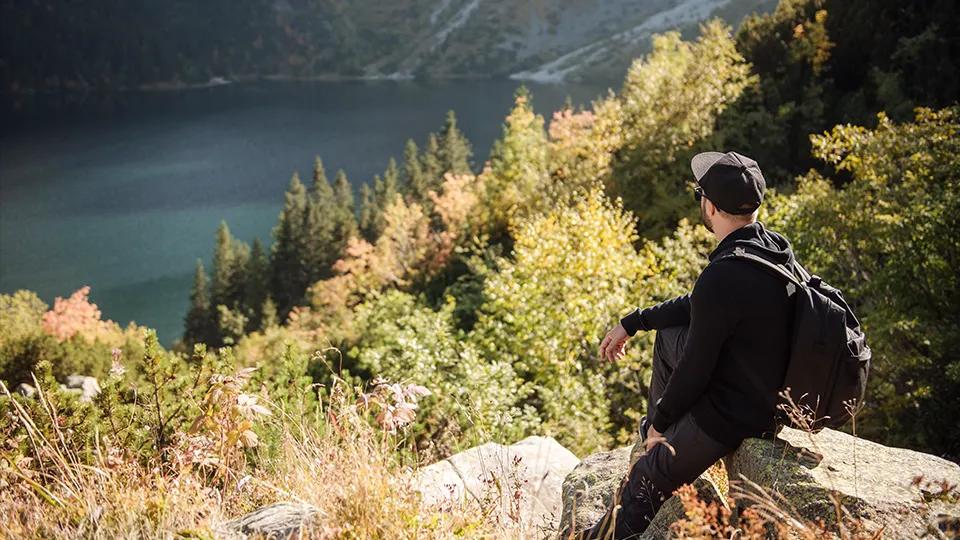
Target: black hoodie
(737, 348)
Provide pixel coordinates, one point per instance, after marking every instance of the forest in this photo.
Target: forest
(485, 284)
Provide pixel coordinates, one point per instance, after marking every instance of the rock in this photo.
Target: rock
(493, 474)
(88, 387)
(25, 390)
(274, 522)
(589, 488)
(874, 482)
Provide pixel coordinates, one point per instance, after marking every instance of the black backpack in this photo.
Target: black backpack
(826, 376)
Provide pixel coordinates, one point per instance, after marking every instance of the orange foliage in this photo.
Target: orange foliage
(77, 315)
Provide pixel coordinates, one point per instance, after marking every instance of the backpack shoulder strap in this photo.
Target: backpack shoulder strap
(740, 253)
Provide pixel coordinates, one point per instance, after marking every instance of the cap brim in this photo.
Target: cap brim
(702, 162)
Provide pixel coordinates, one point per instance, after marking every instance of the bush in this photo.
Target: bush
(889, 239)
(473, 399)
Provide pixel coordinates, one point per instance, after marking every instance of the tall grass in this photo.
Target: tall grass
(334, 457)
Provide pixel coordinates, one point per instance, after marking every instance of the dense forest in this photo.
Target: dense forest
(491, 282)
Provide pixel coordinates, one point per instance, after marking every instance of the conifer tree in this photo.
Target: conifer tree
(318, 225)
(368, 209)
(286, 268)
(455, 151)
(199, 320)
(346, 223)
(343, 192)
(322, 191)
(257, 283)
(237, 289)
(432, 164)
(374, 203)
(391, 185)
(223, 264)
(414, 183)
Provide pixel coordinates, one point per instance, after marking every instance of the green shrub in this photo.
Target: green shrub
(889, 239)
(473, 399)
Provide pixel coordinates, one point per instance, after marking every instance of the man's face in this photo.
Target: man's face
(703, 214)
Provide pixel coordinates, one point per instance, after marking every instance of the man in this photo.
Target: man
(720, 353)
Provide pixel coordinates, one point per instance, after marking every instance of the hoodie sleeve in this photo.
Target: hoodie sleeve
(712, 319)
(673, 312)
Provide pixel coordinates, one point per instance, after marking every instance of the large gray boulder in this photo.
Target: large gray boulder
(874, 482)
(521, 482)
(589, 489)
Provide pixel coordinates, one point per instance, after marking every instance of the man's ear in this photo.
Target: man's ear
(711, 208)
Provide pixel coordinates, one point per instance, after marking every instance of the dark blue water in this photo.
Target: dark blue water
(125, 196)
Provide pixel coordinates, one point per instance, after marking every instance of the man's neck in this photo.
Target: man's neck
(721, 230)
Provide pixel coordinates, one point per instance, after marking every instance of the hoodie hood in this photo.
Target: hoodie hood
(772, 246)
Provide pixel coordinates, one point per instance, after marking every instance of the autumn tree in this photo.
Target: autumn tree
(670, 102)
(519, 168)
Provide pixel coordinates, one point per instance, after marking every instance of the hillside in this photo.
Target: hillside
(64, 45)
(454, 311)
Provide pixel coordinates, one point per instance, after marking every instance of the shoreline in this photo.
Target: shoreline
(177, 86)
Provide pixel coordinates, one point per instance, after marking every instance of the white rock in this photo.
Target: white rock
(522, 481)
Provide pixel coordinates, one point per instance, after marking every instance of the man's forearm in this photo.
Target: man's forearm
(673, 312)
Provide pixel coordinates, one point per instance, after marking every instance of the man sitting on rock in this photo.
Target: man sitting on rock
(720, 353)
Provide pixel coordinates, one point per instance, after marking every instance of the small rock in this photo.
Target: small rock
(274, 522)
(25, 390)
(87, 386)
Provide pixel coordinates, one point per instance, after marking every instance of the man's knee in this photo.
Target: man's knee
(668, 344)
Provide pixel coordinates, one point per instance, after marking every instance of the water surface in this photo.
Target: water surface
(125, 195)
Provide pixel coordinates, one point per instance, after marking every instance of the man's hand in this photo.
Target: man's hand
(654, 438)
(614, 343)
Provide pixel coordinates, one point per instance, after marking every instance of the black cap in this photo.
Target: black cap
(733, 182)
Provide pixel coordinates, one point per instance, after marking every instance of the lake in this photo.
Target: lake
(126, 195)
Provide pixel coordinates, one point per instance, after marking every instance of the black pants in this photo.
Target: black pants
(657, 473)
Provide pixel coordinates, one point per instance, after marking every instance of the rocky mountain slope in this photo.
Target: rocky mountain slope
(547, 40)
(57, 45)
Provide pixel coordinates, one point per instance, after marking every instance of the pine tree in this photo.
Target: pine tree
(199, 320)
(343, 193)
(257, 283)
(455, 151)
(286, 266)
(391, 185)
(223, 264)
(368, 209)
(321, 189)
(346, 222)
(375, 201)
(237, 288)
(432, 165)
(414, 183)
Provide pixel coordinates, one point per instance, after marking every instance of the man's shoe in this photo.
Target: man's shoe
(644, 427)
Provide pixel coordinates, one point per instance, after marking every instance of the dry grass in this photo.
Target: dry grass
(334, 457)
